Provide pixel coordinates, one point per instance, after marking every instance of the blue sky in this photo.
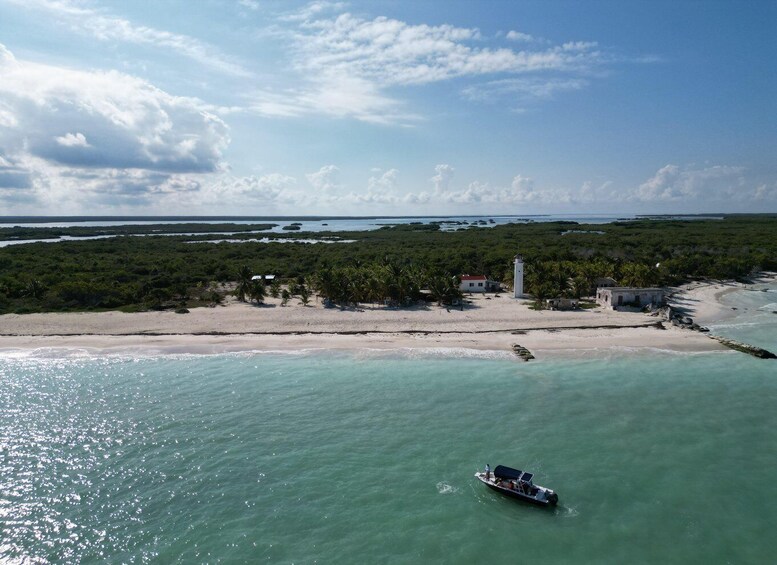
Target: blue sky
(360, 108)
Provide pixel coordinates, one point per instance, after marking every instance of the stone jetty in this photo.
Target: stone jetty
(753, 350)
(522, 352)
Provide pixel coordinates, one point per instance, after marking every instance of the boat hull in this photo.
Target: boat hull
(514, 493)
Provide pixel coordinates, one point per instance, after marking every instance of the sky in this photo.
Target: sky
(449, 107)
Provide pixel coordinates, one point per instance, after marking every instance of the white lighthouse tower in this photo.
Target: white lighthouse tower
(518, 277)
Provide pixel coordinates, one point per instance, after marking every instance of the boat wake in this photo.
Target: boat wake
(445, 488)
(567, 512)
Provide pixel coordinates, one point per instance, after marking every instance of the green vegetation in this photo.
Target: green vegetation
(392, 264)
(388, 283)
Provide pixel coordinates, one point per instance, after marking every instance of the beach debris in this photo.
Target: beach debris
(522, 352)
(753, 350)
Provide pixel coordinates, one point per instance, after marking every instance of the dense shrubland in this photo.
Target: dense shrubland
(390, 265)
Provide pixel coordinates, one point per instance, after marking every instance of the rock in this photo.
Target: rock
(522, 352)
(745, 348)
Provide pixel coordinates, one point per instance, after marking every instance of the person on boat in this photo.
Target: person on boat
(488, 472)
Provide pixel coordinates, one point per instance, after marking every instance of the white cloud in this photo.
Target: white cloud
(672, 183)
(13, 175)
(129, 123)
(311, 10)
(393, 52)
(112, 28)
(442, 178)
(520, 191)
(335, 95)
(72, 140)
(384, 183)
(519, 36)
(250, 4)
(603, 192)
(352, 67)
(523, 189)
(272, 187)
(524, 89)
(325, 180)
(766, 192)
(77, 140)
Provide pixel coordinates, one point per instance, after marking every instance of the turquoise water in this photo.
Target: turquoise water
(660, 458)
(755, 319)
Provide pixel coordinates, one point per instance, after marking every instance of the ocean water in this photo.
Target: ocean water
(754, 316)
(369, 458)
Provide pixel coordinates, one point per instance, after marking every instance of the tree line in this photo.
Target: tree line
(390, 265)
(377, 283)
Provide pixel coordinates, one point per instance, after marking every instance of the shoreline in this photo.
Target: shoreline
(703, 300)
(486, 324)
(542, 343)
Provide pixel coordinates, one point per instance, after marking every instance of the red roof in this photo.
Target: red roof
(473, 277)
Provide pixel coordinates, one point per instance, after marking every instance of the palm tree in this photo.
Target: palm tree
(444, 289)
(578, 286)
(257, 291)
(275, 288)
(635, 274)
(35, 289)
(325, 283)
(243, 288)
(304, 295)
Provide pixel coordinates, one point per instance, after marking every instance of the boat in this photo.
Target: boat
(517, 484)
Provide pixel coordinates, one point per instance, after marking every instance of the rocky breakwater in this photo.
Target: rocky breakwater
(680, 321)
(522, 352)
(686, 322)
(759, 352)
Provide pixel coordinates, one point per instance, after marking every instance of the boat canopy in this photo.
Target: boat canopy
(510, 474)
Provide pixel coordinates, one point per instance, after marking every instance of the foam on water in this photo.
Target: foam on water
(445, 488)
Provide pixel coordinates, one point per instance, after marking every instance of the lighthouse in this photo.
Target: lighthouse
(518, 277)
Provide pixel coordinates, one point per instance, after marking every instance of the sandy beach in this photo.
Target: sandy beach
(702, 300)
(486, 323)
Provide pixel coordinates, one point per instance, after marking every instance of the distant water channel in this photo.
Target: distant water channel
(369, 457)
(316, 225)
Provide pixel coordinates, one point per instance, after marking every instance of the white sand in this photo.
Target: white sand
(701, 300)
(485, 324)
